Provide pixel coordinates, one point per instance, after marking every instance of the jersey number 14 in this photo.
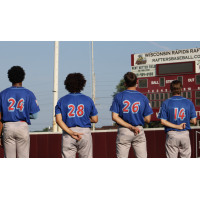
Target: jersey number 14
(180, 115)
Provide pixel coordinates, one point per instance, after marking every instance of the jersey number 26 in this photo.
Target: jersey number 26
(135, 106)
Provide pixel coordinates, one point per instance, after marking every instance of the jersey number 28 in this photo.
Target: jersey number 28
(20, 105)
(79, 112)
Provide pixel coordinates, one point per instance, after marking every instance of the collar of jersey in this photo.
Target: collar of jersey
(176, 97)
(78, 93)
(15, 87)
(131, 91)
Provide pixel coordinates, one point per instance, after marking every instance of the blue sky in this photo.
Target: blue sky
(111, 61)
(75, 23)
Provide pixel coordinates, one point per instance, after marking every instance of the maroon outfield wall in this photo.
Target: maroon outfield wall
(48, 144)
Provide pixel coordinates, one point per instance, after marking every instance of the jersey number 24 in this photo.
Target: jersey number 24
(20, 105)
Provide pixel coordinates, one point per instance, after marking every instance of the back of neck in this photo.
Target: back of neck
(131, 88)
(17, 84)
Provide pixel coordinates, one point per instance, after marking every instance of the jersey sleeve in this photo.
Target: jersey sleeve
(58, 108)
(147, 109)
(34, 107)
(94, 111)
(192, 111)
(163, 114)
(115, 106)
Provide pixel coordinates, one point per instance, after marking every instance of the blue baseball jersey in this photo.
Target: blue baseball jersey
(76, 109)
(177, 110)
(17, 103)
(132, 106)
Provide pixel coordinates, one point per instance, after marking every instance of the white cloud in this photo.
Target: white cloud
(162, 47)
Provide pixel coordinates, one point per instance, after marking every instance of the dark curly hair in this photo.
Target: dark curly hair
(74, 82)
(16, 74)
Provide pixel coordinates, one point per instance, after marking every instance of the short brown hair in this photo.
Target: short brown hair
(176, 87)
(74, 82)
(130, 79)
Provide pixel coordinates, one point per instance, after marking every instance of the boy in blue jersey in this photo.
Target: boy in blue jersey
(130, 110)
(176, 114)
(17, 106)
(74, 114)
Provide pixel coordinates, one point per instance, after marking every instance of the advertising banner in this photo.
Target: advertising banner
(144, 64)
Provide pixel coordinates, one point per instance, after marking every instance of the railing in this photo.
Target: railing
(48, 144)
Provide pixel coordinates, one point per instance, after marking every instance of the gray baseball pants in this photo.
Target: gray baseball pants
(16, 140)
(84, 146)
(178, 142)
(126, 139)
